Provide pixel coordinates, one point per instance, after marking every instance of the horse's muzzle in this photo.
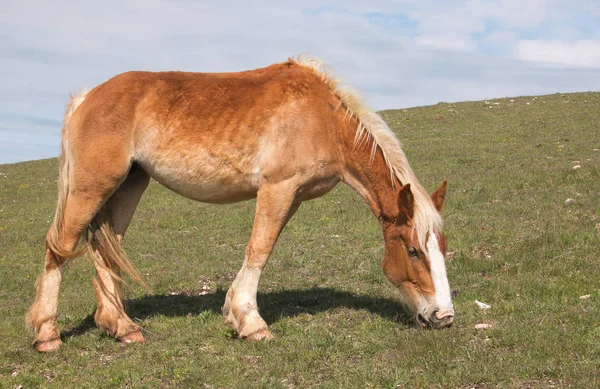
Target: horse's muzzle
(438, 319)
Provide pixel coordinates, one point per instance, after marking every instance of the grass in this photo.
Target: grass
(513, 243)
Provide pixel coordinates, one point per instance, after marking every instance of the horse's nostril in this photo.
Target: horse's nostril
(447, 314)
(436, 319)
(441, 319)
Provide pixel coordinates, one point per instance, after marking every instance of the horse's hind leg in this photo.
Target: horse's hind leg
(83, 192)
(118, 211)
(276, 203)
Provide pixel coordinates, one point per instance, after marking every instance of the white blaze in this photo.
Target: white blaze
(438, 274)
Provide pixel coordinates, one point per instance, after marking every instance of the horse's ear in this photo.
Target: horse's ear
(439, 196)
(406, 205)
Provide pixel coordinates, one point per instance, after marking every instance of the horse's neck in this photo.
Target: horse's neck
(370, 177)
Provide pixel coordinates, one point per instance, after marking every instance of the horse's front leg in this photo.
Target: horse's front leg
(275, 204)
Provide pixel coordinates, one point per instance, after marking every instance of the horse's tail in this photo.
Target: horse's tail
(104, 245)
(53, 236)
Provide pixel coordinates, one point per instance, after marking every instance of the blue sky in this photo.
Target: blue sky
(397, 53)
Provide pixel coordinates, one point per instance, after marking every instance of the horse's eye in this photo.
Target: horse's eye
(412, 251)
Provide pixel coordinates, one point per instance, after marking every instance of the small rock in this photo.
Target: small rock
(482, 305)
(585, 297)
(569, 201)
(483, 326)
(576, 167)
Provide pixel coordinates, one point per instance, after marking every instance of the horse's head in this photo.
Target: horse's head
(418, 270)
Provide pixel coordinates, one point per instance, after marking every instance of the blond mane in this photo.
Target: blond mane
(372, 128)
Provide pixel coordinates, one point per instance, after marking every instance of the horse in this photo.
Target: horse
(282, 134)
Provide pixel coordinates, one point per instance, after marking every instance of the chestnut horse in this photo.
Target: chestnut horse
(282, 134)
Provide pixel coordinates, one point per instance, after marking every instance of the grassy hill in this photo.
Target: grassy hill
(513, 243)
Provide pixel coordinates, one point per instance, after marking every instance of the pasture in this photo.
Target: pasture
(513, 243)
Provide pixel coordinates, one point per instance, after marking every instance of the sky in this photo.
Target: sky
(398, 54)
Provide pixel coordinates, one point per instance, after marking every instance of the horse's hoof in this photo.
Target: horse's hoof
(132, 337)
(263, 334)
(48, 345)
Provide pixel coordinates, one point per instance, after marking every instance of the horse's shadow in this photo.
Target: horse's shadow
(273, 306)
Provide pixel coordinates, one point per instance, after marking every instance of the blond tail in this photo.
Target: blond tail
(54, 233)
(104, 246)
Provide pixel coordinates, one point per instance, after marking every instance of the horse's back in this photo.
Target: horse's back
(208, 136)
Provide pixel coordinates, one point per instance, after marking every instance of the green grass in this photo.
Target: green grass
(515, 245)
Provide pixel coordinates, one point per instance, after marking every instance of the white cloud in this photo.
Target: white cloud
(501, 37)
(445, 42)
(584, 53)
(509, 13)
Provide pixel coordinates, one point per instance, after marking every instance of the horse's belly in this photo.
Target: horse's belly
(210, 191)
(205, 176)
